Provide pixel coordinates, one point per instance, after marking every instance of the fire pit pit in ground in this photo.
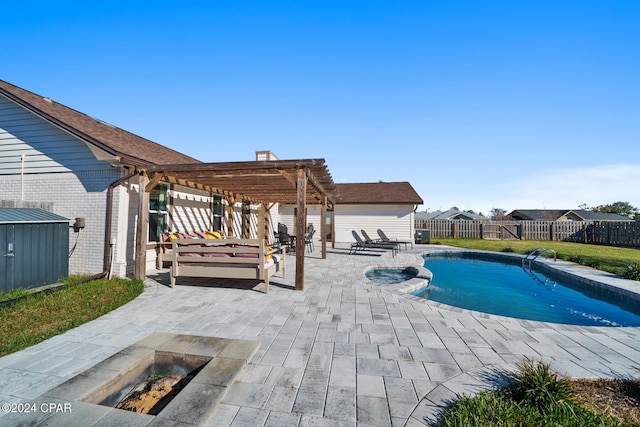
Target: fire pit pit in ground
(206, 366)
(149, 386)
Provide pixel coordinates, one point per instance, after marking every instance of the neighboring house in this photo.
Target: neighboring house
(451, 214)
(536, 214)
(584, 215)
(563, 215)
(389, 206)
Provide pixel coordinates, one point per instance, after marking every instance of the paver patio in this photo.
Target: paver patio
(344, 351)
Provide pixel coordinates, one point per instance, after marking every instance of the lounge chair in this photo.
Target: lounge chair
(385, 239)
(369, 240)
(362, 245)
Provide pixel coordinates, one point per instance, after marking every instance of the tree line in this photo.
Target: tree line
(625, 209)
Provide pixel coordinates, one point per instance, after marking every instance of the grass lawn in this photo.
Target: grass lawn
(613, 259)
(41, 316)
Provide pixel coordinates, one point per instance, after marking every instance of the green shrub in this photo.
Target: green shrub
(593, 263)
(534, 384)
(575, 258)
(632, 272)
(534, 397)
(507, 249)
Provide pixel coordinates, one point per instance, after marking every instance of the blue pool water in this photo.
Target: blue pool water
(510, 290)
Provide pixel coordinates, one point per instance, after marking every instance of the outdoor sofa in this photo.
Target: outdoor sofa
(225, 258)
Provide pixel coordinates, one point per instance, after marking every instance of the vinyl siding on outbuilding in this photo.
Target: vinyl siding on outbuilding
(388, 206)
(395, 220)
(287, 218)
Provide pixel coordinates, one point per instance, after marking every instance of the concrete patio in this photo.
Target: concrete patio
(343, 352)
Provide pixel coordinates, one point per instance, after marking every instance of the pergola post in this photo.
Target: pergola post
(261, 229)
(231, 201)
(267, 214)
(301, 187)
(323, 226)
(140, 265)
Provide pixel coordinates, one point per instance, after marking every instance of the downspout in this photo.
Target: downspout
(107, 228)
(107, 240)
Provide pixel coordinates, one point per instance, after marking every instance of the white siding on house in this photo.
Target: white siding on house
(189, 210)
(46, 148)
(237, 220)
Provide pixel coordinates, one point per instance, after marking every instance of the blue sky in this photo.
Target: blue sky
(478, 104)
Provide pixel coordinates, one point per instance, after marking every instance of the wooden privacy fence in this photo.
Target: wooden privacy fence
(623, 233)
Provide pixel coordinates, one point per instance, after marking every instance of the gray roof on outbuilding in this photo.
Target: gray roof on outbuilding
(599, 216)
(29, 215)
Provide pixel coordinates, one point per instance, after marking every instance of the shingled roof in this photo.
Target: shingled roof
(130, 148)
(377, 193)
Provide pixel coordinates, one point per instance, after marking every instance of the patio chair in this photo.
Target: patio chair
(385, 239)
(369, 240)
(282, 228)
(308, 240)
(362, 245)
(287, 241)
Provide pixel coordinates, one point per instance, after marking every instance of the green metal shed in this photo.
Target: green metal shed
(34, 245)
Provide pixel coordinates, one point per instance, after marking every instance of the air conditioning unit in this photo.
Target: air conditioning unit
(423, 236)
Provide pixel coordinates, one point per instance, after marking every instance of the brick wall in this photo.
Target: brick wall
(72, 195)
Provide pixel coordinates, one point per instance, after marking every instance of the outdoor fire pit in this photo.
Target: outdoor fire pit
(178, 378)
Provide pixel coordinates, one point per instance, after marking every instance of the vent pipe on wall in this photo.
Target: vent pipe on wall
(22, 160)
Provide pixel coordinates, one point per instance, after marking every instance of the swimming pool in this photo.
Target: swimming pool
(510, 290)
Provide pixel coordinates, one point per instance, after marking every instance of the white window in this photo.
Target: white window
(158, 215)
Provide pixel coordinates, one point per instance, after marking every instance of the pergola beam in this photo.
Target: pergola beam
(155, 180)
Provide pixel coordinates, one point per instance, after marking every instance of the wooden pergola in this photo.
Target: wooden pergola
(298, 182)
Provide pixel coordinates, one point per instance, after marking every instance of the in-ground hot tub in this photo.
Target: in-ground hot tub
(391, 275)
(400, 279)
